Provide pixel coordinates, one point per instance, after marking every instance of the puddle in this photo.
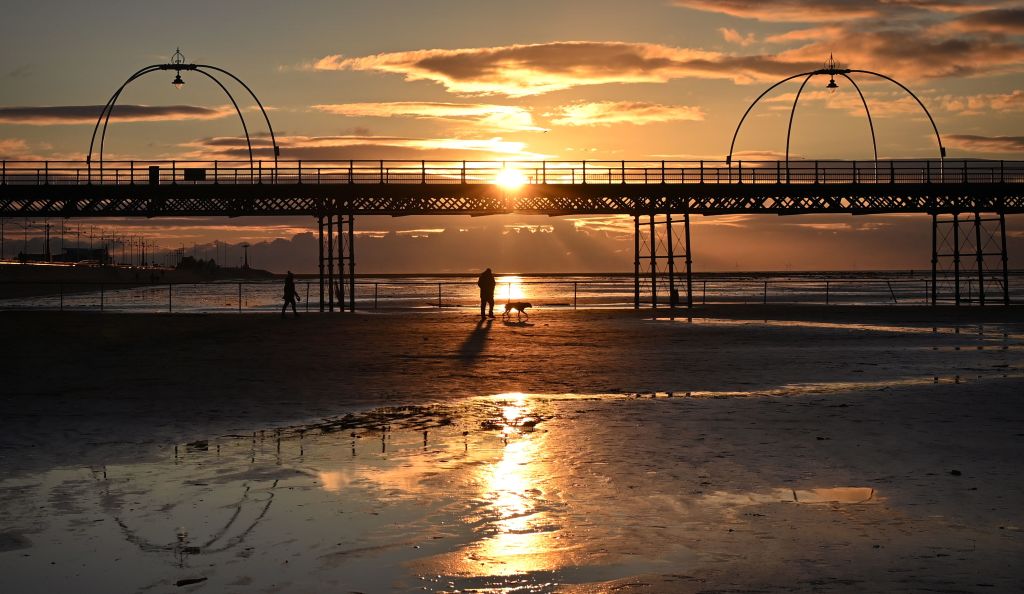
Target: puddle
(825, 495)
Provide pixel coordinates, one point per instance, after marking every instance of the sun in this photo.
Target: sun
(510, 178)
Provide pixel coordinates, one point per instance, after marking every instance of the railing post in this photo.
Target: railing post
(702, 171)
(622, 165)
(381, 165)
(826, 292)
(439, 296)
(543, 170)
(350, 163)
(260, 172)
(815, 171)
(3, 174)
(892, 172)
(1001, 178)
(131, 173)
(170, 302)
(965, 170)
(928, 171)
(778, 171)
(765, 301)
(740, 172)
(374, 295)
(584, 171)
(463, 173)
(300, 171)
(240, 296)
(174, 172)
(423, 172)
(216, 171)
(46, 173)
(574, 295)
(662, 172)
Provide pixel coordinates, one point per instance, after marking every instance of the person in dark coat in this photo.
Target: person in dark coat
(290, 294)
(486, 284)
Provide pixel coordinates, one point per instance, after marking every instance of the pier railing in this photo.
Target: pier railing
(456, 295)
(510, 173)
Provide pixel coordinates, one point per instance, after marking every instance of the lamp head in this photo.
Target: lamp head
(831, 86)
(177, 82)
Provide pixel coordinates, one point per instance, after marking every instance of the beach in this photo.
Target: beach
(725, 448)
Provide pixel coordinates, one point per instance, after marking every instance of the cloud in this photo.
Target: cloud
(912, 53)
(482, 115)
(734, 36)
(521, 70)
(87, 114)
(974, 104)
(1009, 21)
(605, 113)
(361, 147)
(821, 11)
(985, 144)
(13, 148)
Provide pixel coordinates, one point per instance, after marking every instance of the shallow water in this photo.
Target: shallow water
(506, 493)
(501, 494)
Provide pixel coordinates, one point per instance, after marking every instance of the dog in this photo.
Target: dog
(519, 307)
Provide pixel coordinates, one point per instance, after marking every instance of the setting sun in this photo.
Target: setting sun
(510, 178)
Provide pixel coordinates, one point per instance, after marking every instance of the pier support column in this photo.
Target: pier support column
(969, 258)
(662, 251)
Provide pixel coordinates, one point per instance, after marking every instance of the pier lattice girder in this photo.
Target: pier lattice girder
(478, 200)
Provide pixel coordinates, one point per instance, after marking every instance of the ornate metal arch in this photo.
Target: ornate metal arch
(832, 70)
(178, 64)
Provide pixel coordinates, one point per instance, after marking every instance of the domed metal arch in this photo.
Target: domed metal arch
(104, 117)
(844, 72)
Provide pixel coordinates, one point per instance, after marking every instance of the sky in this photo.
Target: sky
(596, 80)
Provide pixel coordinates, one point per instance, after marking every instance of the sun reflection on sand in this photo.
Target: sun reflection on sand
(519, 533)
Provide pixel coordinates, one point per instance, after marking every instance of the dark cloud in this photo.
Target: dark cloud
(1008, 20)
(520, 70)
(986, 144)
(821, 11)
(87, 114)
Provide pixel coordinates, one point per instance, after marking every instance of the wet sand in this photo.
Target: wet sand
(750, 448)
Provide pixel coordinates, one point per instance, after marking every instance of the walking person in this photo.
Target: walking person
(290, 294)
(486, 283)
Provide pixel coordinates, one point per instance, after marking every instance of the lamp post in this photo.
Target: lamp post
(178, 64)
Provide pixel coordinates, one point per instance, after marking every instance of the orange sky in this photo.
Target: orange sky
(568, 80)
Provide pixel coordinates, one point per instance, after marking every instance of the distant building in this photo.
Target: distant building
(78, 254)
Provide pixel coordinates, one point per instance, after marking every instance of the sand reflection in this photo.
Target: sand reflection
(837, 495)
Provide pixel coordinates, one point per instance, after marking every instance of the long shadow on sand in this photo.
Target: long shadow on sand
(474, 344)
